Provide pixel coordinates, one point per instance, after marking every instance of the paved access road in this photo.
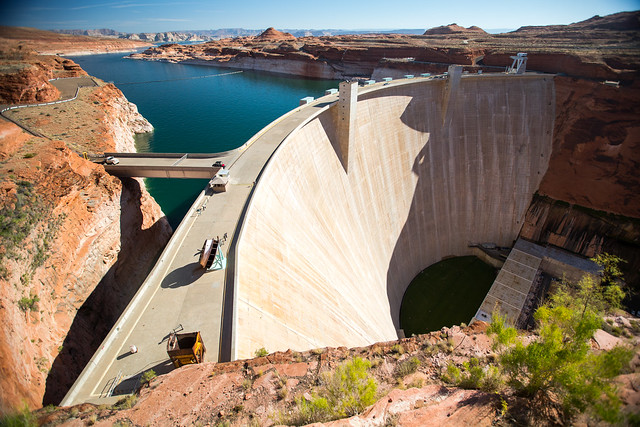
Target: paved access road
(178, 291)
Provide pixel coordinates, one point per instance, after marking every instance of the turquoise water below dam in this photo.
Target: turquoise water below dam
(198, 109)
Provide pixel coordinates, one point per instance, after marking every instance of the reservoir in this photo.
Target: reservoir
(198, 109)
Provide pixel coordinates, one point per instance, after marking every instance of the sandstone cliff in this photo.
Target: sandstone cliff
(76, 242)
(572, 49)
(50, 43)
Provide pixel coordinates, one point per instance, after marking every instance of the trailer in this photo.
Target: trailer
(186, 348)
(211, 256)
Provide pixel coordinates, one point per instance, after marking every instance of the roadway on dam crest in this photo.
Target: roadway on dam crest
(178, 292)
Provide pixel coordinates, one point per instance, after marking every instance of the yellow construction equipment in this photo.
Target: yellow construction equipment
(185, 349)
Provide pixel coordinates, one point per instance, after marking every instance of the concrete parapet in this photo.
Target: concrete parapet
(330, 249)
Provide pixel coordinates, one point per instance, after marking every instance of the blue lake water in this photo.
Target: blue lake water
(198, 109)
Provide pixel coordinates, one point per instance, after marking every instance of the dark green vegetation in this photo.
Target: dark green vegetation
(559, 372)
(22, 418)
(445, 294)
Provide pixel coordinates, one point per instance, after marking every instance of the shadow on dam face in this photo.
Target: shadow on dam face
(325, 255)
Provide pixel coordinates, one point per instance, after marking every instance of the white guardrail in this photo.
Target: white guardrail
(46, 103)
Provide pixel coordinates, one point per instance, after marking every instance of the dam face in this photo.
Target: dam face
(325, 255)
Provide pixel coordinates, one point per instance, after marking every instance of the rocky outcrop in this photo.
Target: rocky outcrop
(455, 29)
(271, 34)
(28, 78)
(76, 243)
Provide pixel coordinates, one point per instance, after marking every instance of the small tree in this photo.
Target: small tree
(612, 281)
(147, 377)
(559, 363)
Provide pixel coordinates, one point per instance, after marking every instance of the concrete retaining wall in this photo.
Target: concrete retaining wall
(326, 256)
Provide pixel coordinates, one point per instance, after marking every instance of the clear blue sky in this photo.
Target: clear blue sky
(168, 15)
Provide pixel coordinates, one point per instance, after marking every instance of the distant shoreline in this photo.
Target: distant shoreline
(86, 52)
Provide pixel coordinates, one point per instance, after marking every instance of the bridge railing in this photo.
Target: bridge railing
(172, 155)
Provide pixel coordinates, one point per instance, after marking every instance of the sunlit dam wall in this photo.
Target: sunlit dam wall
(326, 252)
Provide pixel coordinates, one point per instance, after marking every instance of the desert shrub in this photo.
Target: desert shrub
(350, 389)
(397, 349)
(261, 352)
(283, 392)
(29, 303)
(473, 375)
(21, 418)
(308, 412)
(407, 367)
(127, 402)
(445, 346)
(147, 377)
(344, 392)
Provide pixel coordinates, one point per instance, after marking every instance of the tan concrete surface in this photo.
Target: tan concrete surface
(325, 256)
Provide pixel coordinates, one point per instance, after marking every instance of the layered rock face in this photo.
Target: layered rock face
(50, 43)
(26, 78)
(596, 146)
(76, 244)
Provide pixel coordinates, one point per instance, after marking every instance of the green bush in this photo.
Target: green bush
(474, 376)
(29, 303)
(344, 392)
(407, 367)
(309, 412)
(397, 349)
(22, 418)
(261, 352)
(127, 402)
(147, 377)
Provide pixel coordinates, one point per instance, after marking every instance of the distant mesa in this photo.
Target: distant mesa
(271, 34)
(453, 29)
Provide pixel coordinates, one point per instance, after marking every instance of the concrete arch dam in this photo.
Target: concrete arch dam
(332, 238)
